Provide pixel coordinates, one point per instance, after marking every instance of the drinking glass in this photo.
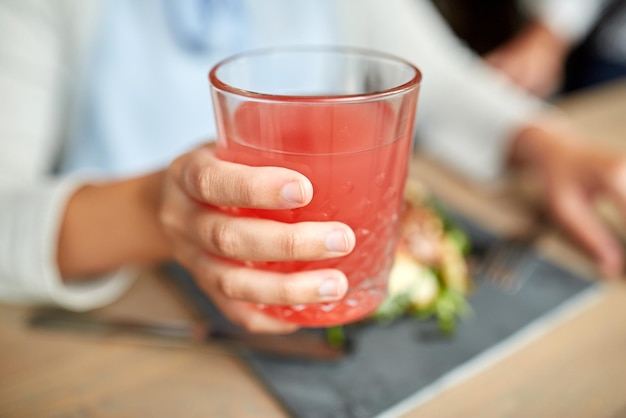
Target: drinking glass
(344, 118)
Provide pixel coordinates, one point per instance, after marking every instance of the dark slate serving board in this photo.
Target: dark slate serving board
(394, 368)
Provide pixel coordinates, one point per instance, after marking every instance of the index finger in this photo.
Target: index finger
(210, 180)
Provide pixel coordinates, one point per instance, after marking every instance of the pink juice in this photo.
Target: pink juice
(355, 155)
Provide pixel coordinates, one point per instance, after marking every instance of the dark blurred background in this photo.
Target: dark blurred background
(595, 59)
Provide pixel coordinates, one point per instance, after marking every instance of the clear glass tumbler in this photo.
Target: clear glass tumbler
(344, 118)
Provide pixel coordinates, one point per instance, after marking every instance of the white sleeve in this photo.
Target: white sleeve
(33, 67)
(569, 19)
(467, 112)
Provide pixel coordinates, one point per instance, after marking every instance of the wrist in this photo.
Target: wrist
(542, 34)
(538, 144)
(109, 225)
(149, 196)
(526, 147)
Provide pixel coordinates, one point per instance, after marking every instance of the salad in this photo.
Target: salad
(430, 276)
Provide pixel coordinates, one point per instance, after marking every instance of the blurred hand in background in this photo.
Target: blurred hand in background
(534, 59)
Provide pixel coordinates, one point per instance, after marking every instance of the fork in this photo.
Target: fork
(503, 261)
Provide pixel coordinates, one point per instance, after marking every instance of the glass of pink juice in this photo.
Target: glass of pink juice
(344, 118)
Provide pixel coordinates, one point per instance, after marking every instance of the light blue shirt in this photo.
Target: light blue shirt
(145, 97)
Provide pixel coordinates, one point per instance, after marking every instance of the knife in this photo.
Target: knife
(301, 345)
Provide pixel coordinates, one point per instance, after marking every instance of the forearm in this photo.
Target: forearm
(110, 225)
(538, 31)
(571, 20)
(466, 114)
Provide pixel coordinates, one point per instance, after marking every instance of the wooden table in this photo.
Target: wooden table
(576, 370)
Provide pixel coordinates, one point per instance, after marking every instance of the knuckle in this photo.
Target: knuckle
(170, 223)
(184, 172)
(227, 286)
(223, 238)
(201, 180)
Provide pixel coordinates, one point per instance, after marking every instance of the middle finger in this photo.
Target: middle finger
(254, 239)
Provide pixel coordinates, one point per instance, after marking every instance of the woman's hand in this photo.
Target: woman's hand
(171, 214)
(573, 174)
(204, 239)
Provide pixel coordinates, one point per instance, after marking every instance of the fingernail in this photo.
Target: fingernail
(337, 241)
(331, 288)
(293, 192)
